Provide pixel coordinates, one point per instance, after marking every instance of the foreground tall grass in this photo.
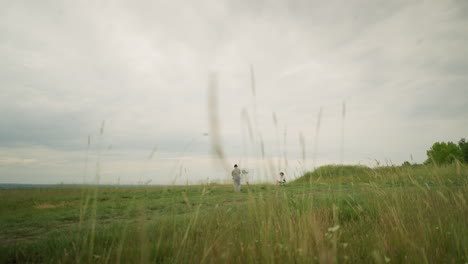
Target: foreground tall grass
(337, 214)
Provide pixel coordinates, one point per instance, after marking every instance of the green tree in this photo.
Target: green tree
(444, 153)
(406, 164)
(464, 148)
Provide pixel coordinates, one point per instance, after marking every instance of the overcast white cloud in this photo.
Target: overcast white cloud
(143, 66)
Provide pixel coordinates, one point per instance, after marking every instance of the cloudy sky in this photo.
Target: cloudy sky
(334, 82)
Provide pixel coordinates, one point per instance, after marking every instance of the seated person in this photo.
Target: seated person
(282, 180)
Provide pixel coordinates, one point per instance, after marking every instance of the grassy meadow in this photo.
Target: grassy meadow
(336, 214)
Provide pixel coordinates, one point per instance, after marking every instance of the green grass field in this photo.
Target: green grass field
(337, 214)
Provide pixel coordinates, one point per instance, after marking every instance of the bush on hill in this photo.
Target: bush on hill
(444, 153)
(464, 148)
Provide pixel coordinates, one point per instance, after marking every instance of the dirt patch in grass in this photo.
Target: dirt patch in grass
(6, 241)
(234, 202)
(49, 205)
(323, 191)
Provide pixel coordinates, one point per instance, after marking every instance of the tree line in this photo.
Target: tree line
(446, 153)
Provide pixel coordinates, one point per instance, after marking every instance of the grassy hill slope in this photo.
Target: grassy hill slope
(334, 215)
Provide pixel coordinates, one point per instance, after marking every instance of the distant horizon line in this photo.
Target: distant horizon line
(5, 185)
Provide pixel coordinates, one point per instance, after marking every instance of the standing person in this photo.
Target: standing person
(236, 178)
